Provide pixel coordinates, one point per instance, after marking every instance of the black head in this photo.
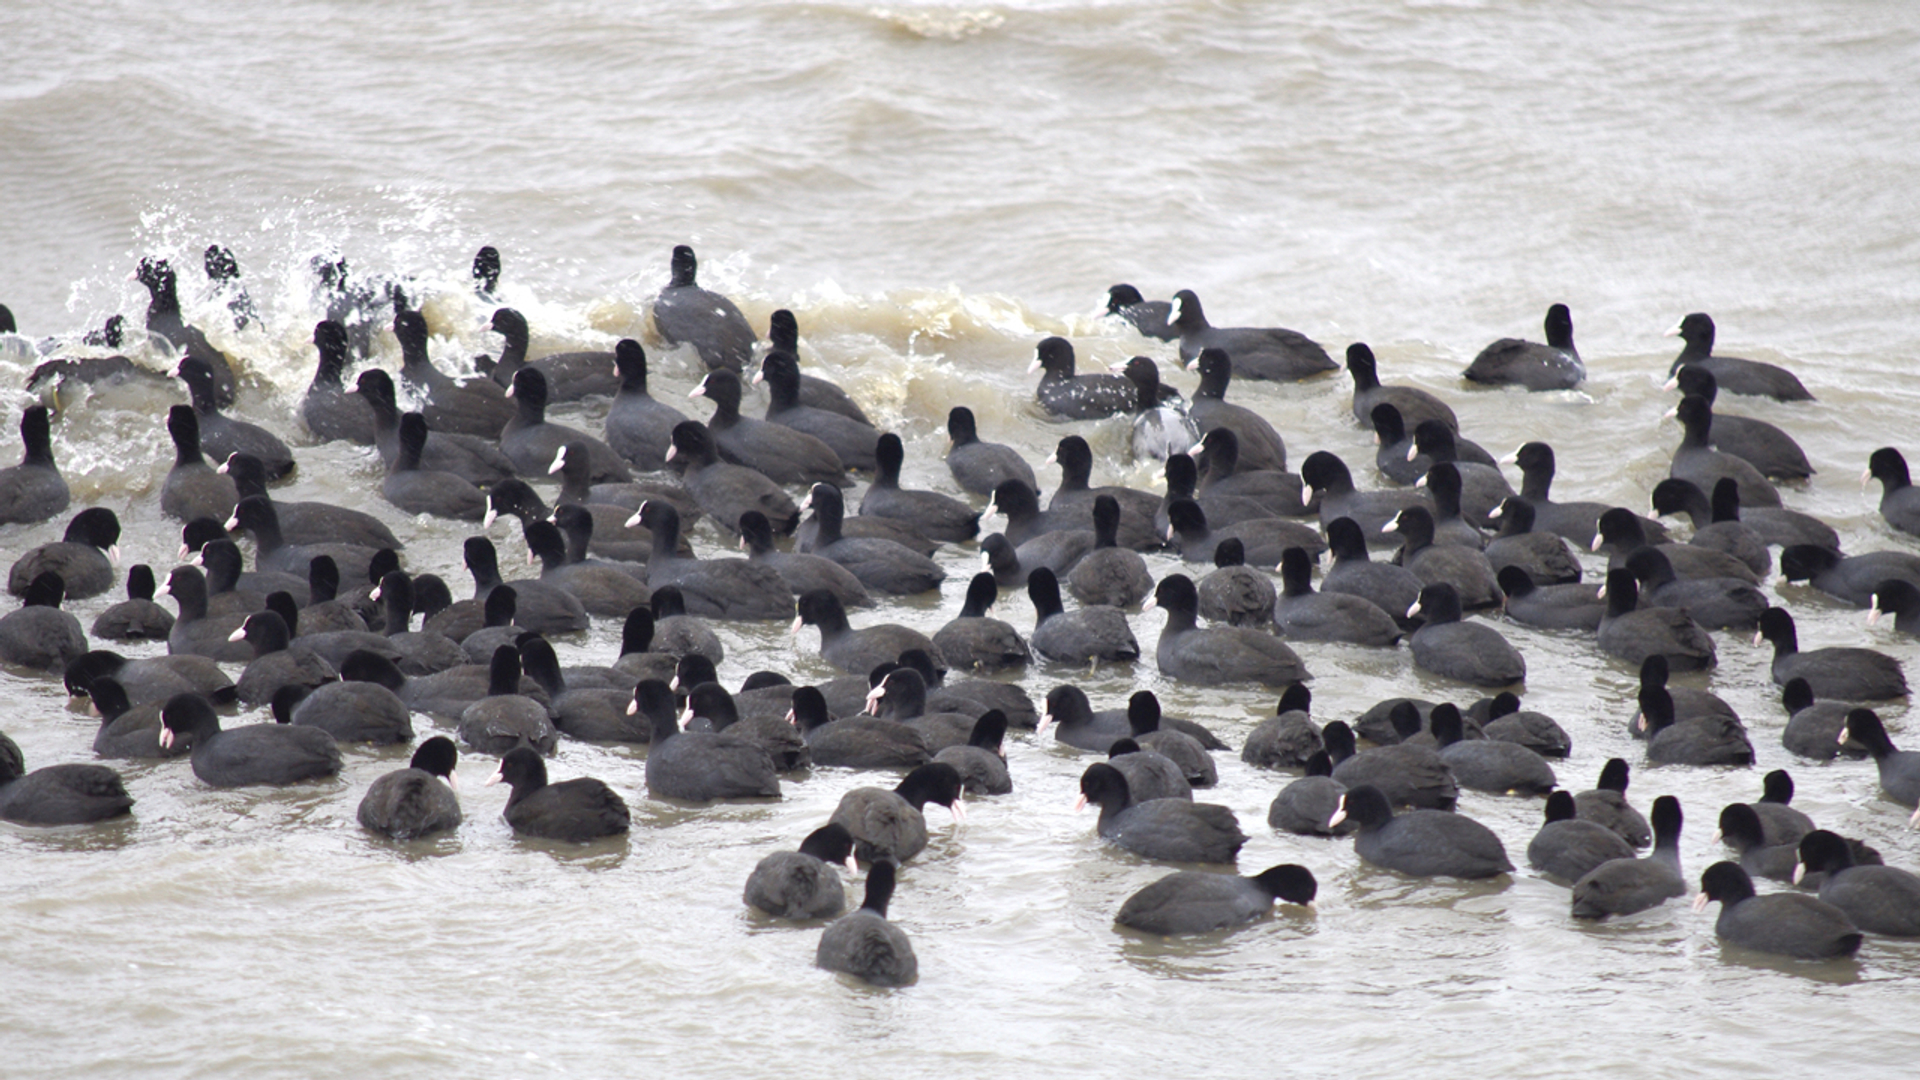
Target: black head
(96, 527)
(530, 389)
(1186, 314)
(1325, 472)
(981, 593)
(1725, 882)
(1777, 787)
(1620, 527)
(188, 715)
(880, 878)
(266, 631)
(1339, 741)
(653, 699)
(711, 700)
(1176, 594)
(521, 769)
(722, 387)
(1014, 499)
(692, 671)
(756, 532)
(1186, 519)
(249, 473)
(1676, 496)
(1288, 881)
(1822, 852)
(830, 843)
(79, 674)
(888, 456)
(1075, 459)
(1104, 786)
(486, 267)
(1216, 373)
(1888, 466)
(1696, 380)
(502, 605)
(511, 325)
(1800, 562)
(1560, 806)
(1776, 625)
(667, 601)
(809, 708)
(1143, 713)
(935, 782)
(1231, 552)
(1559, 327)
(437, 756)
(960, 426)
(1055, 355)
(1447, 726)
(1388, 425)
(46, 589)
(630, 360)
(1740, 827)
(990, 732)
(1361, 365)
(1666, 819)
(1514, 581)
(1365, 804)
(377, 387)
(1065, 704)
(1295, 698)
(362, 665)
(783, 331)
(1043, 589)
(1346, 541)
(1122, 296)
(1438, 603)
(1864, 727)
(182, 425)
(685, 267)
(1697, 331)
(821, 608)
(140, 583)
(1435, 439)
(1414, 526)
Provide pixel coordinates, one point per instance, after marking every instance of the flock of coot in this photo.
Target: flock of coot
(325, 633)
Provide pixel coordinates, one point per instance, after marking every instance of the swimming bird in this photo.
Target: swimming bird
(416, 801)
(65, 794)
(1197, 902)
(864, 944)
(1171, 830)
(1423, 843)
(1258, 353)
(803, 884)
(1517, 362)
(1627, 886)
(1733, 374)
(576, 810)
(1790, 924)
(686, 314)
(1077, 397)
(890, 825)
(248, 755)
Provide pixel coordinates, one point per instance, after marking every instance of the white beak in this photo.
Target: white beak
(1414, 610)
(238, 635)
(1339, 813)
(559, 459)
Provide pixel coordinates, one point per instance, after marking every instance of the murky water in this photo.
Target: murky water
(932, 189)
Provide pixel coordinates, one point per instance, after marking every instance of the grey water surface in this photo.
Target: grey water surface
(932, 189)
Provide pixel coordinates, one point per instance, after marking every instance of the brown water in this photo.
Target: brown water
(932, 189)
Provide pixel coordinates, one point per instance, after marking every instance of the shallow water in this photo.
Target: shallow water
(932, 189)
